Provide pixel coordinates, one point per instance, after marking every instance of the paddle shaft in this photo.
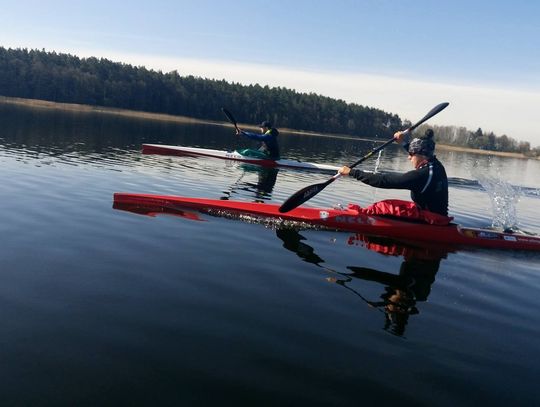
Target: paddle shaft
(430, 114)
(375, 150)
(305, 194)
(231, 118)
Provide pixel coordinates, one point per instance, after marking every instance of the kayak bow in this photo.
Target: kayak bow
(234, 156)
(347, 220)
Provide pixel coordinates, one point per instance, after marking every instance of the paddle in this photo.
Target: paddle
(231, 118)
(310, 191)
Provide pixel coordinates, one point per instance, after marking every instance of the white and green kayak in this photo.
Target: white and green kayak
(234, 156)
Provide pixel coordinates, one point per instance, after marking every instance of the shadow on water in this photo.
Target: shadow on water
(401, 292)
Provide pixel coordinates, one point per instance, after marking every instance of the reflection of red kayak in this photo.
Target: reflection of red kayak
(234, 156)
(150, 209)
(349, 220)
(411, 249)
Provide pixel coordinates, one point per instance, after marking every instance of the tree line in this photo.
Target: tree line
(460, 136)
(58, 77)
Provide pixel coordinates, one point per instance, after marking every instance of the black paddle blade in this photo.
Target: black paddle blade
(305, 194)
(229, 116)
(429, 115)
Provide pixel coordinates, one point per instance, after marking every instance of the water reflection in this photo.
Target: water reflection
(149, 209)
(401, 292)
(40, 133)
(261, 190)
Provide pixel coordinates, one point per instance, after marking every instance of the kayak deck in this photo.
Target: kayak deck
(234, 156)
(348, 220)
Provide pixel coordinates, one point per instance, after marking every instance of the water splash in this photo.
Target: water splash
(377, 162)
(269, 223)
(504, 198)
(375, 170)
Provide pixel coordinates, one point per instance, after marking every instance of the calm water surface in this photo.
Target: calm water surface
(106, 307)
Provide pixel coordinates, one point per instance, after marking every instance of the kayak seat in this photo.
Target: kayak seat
(249, 152)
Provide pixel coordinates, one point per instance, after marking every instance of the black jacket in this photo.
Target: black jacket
(428, 184)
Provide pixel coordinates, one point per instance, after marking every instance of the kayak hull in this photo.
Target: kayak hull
(348, 220)
(234, 156)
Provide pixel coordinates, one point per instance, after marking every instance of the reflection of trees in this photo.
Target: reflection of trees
(52, 132)
(401, 292)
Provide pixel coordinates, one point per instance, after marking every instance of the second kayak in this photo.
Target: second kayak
(234, 156)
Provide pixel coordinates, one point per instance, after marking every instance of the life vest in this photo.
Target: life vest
(271, 146)
(403, 209)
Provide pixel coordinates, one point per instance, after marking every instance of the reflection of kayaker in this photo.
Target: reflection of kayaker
(402, 291)
(265, 183)
(292, 240)
(266, 179)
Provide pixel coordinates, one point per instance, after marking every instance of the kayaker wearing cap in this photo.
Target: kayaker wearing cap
(268, 137)
(427, 182)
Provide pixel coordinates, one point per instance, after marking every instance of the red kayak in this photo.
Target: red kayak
(347, 220)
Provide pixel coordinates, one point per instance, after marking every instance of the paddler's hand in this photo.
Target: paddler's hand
(399, 135)
(344, 170)
(238, 131)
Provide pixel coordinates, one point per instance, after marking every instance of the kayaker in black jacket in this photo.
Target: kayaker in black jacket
(427, 182)
(268, 137)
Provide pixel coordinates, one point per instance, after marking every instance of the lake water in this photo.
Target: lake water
(100, 306)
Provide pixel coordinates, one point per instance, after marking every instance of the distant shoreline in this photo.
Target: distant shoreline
(74, 107)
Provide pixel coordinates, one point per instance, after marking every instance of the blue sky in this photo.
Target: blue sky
(401, 56)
